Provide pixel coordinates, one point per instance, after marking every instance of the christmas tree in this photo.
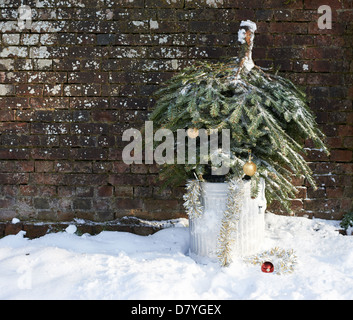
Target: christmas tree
(264, 112)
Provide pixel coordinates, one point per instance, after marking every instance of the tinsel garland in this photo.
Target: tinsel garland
(192, 199)
(230, 221)
(283, 260)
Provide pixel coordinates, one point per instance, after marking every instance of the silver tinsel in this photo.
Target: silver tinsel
(230, 220)
(283, 260)
(192, 199)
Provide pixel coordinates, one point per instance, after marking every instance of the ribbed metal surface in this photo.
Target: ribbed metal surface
(204, 231)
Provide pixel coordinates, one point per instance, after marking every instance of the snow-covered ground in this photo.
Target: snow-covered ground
(116, 265)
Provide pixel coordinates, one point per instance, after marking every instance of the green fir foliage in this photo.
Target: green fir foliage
(265, 113)
(347, 220)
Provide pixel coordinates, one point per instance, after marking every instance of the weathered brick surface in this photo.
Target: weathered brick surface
(86, 69)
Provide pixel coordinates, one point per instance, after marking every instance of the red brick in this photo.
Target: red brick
(348, 142)
(350, 92)
(31, 90)
(87, 154)
(53, 90)
(50, 153)
(302, 193)
(106, 116)
(348, 192)
(285, 53)
(302, 40)
(345, 130)
(49, 102)
(44, 166)
(7, 203)
(304, 15)
(350, 118)
(24, 166)
(14, 178)
(316, 155)
(121, 167)
(105, 191)
(87, 77)
(158, 205)
(343, 168)
(346, 204)
(163, 4)
(328, 180)
(14, 153)
(129, 179)
(347, 180)
(128, 204)
(314, 4)
(6, 115)
(89, 129)
(27, 190)
(139, 168)
(35, 231)
(102, 167)
(86, 192)
(124, 191)
(50, 128)
(7, 166)
(288, 27)
(103, 206)
(284, 40)
(316, 205)
(66, 191)
(13, 228)
(46, 179)
(297, 205)
(13, 102)
(341, 155)
(334, 142)
(319, 193)
(84, 179)
(327, 40)
(14, 127)
(73, 166)
(47, 77)
(334, 192)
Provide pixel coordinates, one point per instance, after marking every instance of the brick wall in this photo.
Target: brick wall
(85, 71)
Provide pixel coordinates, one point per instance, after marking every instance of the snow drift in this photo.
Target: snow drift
(117, 265)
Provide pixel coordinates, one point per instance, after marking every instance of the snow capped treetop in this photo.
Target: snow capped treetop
(251, 25)
(242, 32)
(247, 36)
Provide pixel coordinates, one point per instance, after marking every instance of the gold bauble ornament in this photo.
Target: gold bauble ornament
(249, 167)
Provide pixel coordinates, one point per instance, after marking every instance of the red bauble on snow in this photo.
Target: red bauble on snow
(267, 267)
